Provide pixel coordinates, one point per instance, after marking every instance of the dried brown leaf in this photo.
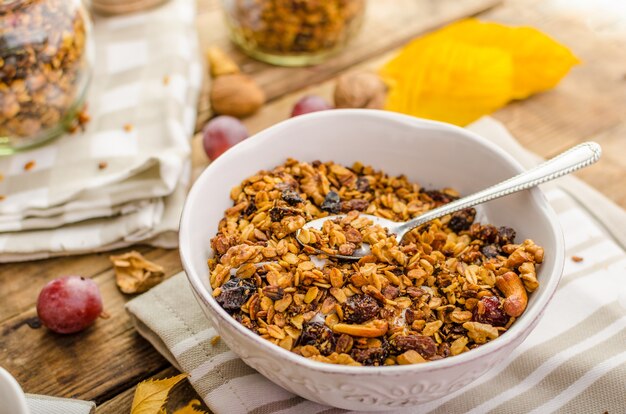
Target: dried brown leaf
(135, 274)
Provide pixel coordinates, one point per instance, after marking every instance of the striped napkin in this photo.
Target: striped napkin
(142, 101)
(42, 404)
(573, 361)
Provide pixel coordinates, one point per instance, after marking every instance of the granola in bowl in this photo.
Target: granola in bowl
(450, 286)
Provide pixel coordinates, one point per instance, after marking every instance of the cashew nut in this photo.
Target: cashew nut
(513, 289)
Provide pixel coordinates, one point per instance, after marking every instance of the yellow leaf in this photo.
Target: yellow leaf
(192, 408)
(448, 81)
(151, 395)
(539, 61)
(469, 69)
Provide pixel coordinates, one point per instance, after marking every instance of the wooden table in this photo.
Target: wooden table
(105, 362)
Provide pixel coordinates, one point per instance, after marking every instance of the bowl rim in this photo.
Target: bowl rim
(520, 328)
(10, 383)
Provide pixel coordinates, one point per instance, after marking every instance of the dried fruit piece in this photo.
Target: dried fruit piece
(134, 273)
(234, 294)
(360, 308)
(489, 310)
(318, 335)
(462, 220)
(370, 356)
(291, 196)
(425, 345)
(332, 203)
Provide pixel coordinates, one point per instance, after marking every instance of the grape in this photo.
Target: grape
(69, 304)
(310, 103)
(221, 133)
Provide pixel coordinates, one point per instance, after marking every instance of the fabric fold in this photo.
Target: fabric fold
(123, 180)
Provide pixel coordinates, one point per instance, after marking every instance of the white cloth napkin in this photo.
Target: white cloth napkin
(574, 360)
(142, 100)
(42, 404)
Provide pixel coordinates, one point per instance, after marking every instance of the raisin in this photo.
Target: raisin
(490, 250)
(291, 197)
(250, 209)
(506, 235)
(362, 184)
(318, 335)
(425, 345)
(356, 204)
(332, 203)
(410, 316)
(370, 356)
(234, 294)
(484, 232)
(439, 196)
(360, 308)
(489, 310)
(462, 220)
(316, 164)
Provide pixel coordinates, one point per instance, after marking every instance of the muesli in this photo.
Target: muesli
(452, 284)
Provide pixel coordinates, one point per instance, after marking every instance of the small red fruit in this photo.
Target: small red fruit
(69, 304)
(221, 133)
(310, 103)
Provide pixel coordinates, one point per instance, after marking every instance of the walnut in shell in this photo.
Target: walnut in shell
(135, 274)
(360, 90)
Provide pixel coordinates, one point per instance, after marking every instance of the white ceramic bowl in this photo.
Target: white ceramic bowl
(434, 154)
(12, 398)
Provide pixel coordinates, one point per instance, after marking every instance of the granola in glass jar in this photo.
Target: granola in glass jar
(293, 32)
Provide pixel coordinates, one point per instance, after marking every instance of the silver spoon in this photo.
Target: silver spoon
(580, 156)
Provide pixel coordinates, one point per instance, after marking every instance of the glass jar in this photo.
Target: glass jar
(45, 66)
(293, 32)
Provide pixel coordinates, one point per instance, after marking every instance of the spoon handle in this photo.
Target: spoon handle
(575, 158)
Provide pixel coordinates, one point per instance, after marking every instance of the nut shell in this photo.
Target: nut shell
(236, 95)
(360, 90)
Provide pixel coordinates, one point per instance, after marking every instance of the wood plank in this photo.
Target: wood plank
(97, 363)
(384, 28)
